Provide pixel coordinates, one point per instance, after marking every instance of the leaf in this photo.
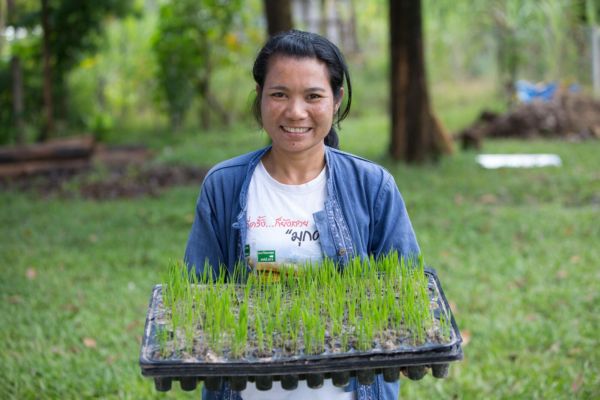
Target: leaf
(488, 199)
(519, 283)
(70, 307)
(55, 350)
(531, 317)
(89, 342)
(139, 339)
(575, 259)
(561, 274)
(15, 299)
(560, 303)
(453, 307)
(93, 238)
(110, 359)
(31, 273)
(132, 325)
(27, 232)
(466, 337)
(554, 348)
(189, 218)
(573, 352)
(577, 383)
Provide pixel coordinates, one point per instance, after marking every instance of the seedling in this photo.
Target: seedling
(314, 306)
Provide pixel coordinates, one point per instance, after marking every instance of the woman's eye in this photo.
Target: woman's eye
(314, 96)
(278, 94)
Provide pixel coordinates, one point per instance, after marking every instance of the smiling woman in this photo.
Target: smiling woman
(297, 107)
(301, 199)
(297, 47)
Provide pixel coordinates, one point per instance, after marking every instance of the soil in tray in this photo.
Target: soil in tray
(387, 306)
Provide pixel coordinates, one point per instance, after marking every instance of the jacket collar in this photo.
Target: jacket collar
(254, 162)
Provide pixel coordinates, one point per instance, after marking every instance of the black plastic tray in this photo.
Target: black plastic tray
(313, 368)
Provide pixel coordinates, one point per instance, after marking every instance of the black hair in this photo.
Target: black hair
(298, 44)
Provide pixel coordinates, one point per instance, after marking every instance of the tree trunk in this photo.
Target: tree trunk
(351, 32)
(217, 107)
(279, 16)
(3, 20)
(17, 95)
(175, 121)
(48, 129)
(205, 111)
(203, 88)
(332, 21)
(16, 74)
(417, 136)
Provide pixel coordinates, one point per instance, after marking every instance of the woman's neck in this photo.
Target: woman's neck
(294, 168)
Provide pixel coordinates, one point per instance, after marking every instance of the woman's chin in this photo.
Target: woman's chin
(296, 145)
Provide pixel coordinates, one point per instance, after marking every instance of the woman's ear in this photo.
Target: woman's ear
(258, 90)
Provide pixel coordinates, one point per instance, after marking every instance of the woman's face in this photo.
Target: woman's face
(297, 103)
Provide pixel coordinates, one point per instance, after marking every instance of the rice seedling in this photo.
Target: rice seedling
(317, 307)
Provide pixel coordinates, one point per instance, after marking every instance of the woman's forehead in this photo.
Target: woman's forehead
(283, 69)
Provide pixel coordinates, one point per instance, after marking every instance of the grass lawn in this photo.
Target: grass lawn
(517, 252)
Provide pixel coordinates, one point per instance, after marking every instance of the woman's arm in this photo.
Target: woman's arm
(204, 247)
(392, 230)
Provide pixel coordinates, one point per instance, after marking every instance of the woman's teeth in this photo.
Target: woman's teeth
(295, 130)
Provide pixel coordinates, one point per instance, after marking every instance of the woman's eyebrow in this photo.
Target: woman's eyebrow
(311, 89)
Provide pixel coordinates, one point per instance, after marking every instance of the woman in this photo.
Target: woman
(300, 198)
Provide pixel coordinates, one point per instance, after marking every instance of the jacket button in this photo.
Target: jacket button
(341, 252)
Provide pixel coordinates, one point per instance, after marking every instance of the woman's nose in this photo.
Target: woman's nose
(296, 110)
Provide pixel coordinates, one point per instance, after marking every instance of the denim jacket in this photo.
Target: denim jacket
(364, 214)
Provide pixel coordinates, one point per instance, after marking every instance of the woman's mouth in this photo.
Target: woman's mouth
(290, 129)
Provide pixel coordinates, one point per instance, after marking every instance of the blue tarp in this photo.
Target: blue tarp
(528, 92)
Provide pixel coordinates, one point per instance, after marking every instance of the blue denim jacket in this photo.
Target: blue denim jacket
(364, 214)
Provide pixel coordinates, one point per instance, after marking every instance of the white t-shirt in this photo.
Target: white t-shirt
(281, 227)
(302, 392)
(282, 231)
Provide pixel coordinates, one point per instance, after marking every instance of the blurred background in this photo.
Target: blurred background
(112, 112)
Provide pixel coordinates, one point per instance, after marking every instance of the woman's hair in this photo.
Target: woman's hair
(298, 44)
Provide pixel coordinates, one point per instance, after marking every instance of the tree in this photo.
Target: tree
(7, 14)
(192, 38)
(417, 135)
(48, 129)
(279, 16)
(71, 29)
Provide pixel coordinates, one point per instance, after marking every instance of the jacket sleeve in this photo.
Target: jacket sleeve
(203, 246)
(392, 230)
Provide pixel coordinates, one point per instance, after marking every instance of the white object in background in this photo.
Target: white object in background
(492, 161)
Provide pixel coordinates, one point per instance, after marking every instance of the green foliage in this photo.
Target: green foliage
(508, 39)
(76, 31)
(75, 26)
(125, 67)
(192, 38)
